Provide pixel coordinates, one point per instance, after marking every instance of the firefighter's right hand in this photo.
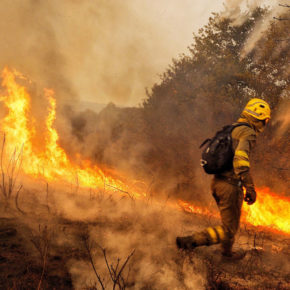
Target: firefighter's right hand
(248, 184)
(250, 196)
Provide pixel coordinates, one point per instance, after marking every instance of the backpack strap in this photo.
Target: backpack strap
(235, 125)
(228, 128)
(204, 142)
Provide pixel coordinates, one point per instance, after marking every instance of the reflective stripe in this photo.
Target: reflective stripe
(242, 153)
(241, 163)
(221, 232)
(213, 235)
(252, 112)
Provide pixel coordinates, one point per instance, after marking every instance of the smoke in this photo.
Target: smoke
(239, 11)
(100, 50)
(95, 50)
(272, 151)
(53, 41)
(105, 50)
(119, 59)
(261, 27)
(108, 139)
(282, 118)
(120, 225)
(31, 45)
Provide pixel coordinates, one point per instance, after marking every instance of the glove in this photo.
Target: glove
(247, 182)
(250, 196)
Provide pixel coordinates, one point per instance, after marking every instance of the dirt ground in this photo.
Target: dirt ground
(70, 241)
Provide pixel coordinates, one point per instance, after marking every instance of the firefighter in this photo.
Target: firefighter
(227, 188)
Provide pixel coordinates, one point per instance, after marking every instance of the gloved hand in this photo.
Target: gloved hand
(250, 196)
(248, 183)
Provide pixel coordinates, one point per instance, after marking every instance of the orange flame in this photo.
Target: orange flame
(270, 210)
(52, 163)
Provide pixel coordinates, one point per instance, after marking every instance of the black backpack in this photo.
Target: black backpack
(218, 155)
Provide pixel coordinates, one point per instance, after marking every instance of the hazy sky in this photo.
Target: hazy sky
(99, 50)
(139, 45)
(156, 31)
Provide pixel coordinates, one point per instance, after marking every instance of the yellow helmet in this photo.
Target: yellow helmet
(258, 109)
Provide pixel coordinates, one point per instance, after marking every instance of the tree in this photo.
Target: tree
(206, 89)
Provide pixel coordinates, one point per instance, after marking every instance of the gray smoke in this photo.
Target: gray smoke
(100, 50)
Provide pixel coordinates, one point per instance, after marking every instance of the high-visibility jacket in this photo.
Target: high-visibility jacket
(244, 139)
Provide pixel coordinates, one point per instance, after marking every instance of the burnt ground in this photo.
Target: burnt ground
(47, 248)
(21, 267)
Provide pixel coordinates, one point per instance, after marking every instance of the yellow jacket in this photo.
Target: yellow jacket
(244, 139)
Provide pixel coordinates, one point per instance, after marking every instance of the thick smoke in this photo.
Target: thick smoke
(108, 138)
(105, 50)
(100, 50)
(31, 44)
(120, 225)
(94, 50)
(283, 117)
(118, 59)
(261, 28)
(54, 57)
(239, 10)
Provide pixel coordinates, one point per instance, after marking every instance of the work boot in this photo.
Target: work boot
(191, 242)
(227, 252)
(186, 243)
(233, 256)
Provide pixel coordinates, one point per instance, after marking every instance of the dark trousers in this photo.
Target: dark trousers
(229, 198)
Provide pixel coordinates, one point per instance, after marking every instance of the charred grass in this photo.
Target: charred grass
(115, 242)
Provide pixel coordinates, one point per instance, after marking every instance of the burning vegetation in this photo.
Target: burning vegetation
(100, 209)
(43, 158)
(46, 159)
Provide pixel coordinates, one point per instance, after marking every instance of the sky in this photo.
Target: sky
(99, 50)
(150, 34)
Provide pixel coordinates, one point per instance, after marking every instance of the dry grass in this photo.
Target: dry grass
(9, 175)
(97, 252)
(115, 271)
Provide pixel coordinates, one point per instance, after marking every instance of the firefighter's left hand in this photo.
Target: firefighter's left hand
(250, 196)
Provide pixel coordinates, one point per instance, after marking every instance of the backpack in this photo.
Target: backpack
(218, 155)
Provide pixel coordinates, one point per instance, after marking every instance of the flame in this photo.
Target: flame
(191, 208)
(270, 211)
(51, 162)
